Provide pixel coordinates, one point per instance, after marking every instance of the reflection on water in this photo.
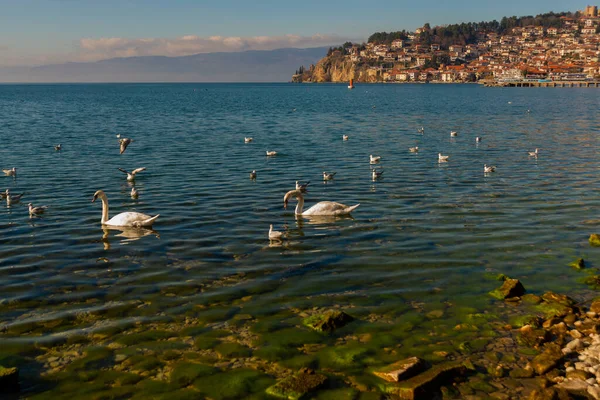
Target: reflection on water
(126, 235)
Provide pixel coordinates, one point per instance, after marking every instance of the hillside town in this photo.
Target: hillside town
(548, 47)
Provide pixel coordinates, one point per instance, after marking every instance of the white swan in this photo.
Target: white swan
(123, 143)
(321, 208)
(12, 198)
(533, 153)
(328, 176)
(271, 153)
(453, 133)
(489, 169)
(131, 175)
(345, 137)
(414, 149)
(374, 159)
(275, 235)
(253, 174)
(10, 172)
(442, 158)
(248, 139)
(134, 219)
(36, 210)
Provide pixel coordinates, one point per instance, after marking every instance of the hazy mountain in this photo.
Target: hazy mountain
(249, 66)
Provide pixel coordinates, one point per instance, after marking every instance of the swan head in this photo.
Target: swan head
(99, 193)
(292, 193)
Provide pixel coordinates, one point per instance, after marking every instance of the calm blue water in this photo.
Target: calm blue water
(426, 232)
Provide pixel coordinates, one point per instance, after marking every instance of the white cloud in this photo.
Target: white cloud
(90, 49)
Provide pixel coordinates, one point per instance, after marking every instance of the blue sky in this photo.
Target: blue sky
(38, 31)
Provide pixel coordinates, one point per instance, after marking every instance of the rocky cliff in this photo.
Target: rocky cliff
(338, 69)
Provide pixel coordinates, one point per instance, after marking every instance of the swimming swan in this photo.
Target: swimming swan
(134, 219)
(321, 208)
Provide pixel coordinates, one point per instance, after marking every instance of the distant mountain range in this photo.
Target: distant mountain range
(247, 66)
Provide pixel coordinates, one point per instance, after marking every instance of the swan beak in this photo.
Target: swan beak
(94, 198)
(285, 205)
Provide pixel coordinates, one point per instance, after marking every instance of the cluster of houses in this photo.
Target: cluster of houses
(571, 51)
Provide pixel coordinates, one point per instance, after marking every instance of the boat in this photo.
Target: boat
(351, 85)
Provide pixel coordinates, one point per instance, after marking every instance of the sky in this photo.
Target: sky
(37, 32)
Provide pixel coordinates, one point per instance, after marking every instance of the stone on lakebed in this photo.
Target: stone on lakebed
(423, 386)
(9, 380)
(578, 264)
(594, 239)
(547, 360)
(401, 370)
(510, 288)
(298, 385)
(328, 321)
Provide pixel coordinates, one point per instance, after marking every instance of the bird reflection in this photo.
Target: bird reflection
(129, 234)
(320, 219)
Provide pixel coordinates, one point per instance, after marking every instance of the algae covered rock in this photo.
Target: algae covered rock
(328, 321)
(401, 370)
(578, 264)
(594, 239)
(9, 380)
(547, 360)
(510, 288)
(298, 385)
(424, 386)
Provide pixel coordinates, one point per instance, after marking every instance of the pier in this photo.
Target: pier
(544, 84)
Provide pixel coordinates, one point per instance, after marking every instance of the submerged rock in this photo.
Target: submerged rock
(547, 360)
(510, 288)
(423, 386)
(401, 370)
(594, 239)
(578, 264)
(9, 380)
(328, 321)
(298, 385)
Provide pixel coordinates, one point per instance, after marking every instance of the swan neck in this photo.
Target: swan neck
(299, 205)
(104, 208)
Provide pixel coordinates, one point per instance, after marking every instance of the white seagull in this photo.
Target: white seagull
(453, 133)
(271, 153)
(134, 193)
(328, 176)
(345, 137)
(374, 159)
(478, 139)
(377, 174)
(131, 175)
(36, 210)
(58, 147)
(275, 235)
(533, 153)
(123, 143)
(442, 158)
(253, 174)
(12, 198)
(488, 169)
(248, 139)
(302, 186)
(10, 172)
(421, 130)
(414, 149)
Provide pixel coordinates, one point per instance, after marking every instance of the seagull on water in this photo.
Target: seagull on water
(374, 159)
(377, 174)
(302, 186)
(248, 139)
(442, 158)
(488, 169)
(345, 137)
(36, 210)
(58, 147)
(12, 198)
(533, 153)
(328, 176)
(134, 193)
(271, 153)
(10, 172)
(478, 139)
(453, 133)
(131, 175)
(275, 235)
(414, 149)
(253, 174)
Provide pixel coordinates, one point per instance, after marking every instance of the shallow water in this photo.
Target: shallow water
(425, 235)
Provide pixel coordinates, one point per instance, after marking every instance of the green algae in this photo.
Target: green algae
(344, 357)
(144, 363)
(235, 384)
(337, 394)
(185, 373)
(145, 336)
(300, 361)
(232, 350)
(297, 386)
(276, 353)
(293, 337)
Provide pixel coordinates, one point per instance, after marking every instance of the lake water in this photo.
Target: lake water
(426, 237)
